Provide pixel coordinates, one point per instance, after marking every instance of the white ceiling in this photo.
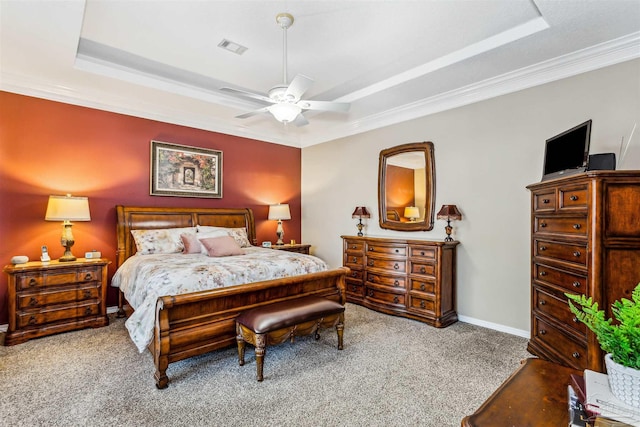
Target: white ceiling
(392, 60)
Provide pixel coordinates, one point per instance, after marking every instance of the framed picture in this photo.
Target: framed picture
(178, 170)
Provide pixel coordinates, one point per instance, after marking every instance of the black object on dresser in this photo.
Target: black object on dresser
(585, 239)
(408, 278)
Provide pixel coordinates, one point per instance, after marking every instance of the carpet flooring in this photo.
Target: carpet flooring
(392, 372)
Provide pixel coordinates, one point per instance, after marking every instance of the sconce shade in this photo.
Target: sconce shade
(411, 212)
(68, 208)
(449, 212)
(279, 211)
(360, 212)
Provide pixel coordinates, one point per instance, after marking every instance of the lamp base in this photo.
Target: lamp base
(448, 229)
(280, 234)
(68, 256)
(360, 225)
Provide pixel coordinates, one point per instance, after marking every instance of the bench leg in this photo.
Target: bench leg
(261, 349)
(240, 349)
(340, 331)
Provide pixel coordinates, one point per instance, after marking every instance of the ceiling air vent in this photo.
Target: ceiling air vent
(232, 46)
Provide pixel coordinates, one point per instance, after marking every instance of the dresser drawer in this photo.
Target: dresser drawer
(423, 304)
(355, 275)
(561, 278)
(390, 265)
(354, 261)
(544, 201)
(427, 252)
(574, 226)
(354, 288)
(57, 277)
(574, 198)
(391, 250)
(48, 297)
(556, 306)
(423, 268)
(576, 254)
(573, 353)
(384, 296)
(389, 281)
(57, 313)
(353, 246)
(426, 286)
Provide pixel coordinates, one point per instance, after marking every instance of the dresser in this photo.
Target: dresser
(585, 239)
(52, 297)
(408, 278)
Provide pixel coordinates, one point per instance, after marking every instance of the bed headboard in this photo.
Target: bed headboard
(147, 218)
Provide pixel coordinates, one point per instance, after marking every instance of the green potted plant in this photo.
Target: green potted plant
(619, 339)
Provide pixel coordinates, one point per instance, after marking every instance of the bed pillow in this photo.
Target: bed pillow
(191, 244)
(215, 233)
(221, 246)
(161, 240)
(239, 234)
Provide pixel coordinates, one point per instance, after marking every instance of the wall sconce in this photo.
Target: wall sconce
(449, 212)
(67, 209)
(412, 213)
(279, 212)
(360, 212)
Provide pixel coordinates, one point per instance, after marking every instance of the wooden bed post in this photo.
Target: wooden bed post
(161, 346)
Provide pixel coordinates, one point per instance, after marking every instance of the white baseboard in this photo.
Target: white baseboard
(495, 327)
(110, 310)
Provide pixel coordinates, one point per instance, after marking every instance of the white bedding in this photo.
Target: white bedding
(144, 278)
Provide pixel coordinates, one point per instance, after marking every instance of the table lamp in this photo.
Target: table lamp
(279, 212)
(449, 212)
(67, 209)
(412, 213)
(360, 212)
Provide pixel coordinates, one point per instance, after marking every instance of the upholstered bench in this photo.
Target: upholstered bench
(276, 323)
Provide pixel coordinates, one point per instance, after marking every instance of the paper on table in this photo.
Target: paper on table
(601, 401)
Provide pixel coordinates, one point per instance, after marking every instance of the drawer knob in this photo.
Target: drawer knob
(543, 224)
(87, 311)
(575, 320)
(33, 301)
(87, 293)
(422, 304)
(423, 270)
(33, 282)
(396, 266)
(577, 226)
(354, 259)
(543, 273)
(422, 287)
(370, 263)
(353, 247)
(396, 300)
(422, 253)
(370, 292)
(576, 254)
(396, 283)
(542, 302)
(370, 248)
(397, 251)
(573, 197)
(576, 284)
(576, 355)
(354, 274)
(32, 320)
(543, 332)
(353, 288)
(543, 248)
(546, 201)
(88, 276)
(372, 278)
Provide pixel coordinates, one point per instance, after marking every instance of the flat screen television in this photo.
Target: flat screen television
(568, 152)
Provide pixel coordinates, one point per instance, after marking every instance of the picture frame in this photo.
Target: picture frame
(183, 171)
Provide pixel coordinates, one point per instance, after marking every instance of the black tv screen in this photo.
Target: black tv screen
(568, 152)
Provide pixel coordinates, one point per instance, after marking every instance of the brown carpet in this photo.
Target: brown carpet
(392, 372)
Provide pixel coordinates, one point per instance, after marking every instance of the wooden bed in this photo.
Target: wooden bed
(191, 324)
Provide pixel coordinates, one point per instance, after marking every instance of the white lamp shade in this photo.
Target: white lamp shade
(411, 212)
(68, 208)
(279, 211)
(285, 112)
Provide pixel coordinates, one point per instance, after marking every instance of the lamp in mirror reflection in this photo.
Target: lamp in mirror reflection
(66, 209)
(412, 213)
(279, 212)
(448, 213)
(360, 212)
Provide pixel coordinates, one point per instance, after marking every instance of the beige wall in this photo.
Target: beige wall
(486, 154)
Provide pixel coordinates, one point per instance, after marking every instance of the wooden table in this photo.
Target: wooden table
(535, 395)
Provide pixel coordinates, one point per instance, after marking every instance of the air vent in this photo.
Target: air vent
(232, 46)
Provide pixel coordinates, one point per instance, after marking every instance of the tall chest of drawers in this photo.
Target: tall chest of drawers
(53, 297)
(408, 278)
(585, 240)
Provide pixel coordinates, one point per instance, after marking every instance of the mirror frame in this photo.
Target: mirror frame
(430, 173)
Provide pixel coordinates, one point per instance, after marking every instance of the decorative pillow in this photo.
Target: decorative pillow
(191, 244)
(239, 234)
(222, 232)
(160, 241)
(221, 246)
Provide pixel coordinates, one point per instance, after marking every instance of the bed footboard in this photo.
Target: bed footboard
(196, 323)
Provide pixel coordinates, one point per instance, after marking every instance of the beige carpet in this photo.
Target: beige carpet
(392, 372)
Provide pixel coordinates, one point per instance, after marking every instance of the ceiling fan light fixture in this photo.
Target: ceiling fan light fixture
(285, 113)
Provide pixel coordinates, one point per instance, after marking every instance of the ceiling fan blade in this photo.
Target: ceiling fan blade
(244, 93)
(253, 113)
(341, 107)
(298, 86)
(301, 121)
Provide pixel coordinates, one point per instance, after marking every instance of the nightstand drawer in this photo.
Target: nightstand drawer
(57, 277)
(47, 297)
(57, 313)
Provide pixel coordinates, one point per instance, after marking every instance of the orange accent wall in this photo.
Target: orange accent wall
(49, 148)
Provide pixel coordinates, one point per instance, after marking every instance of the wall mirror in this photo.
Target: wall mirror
(407, 187)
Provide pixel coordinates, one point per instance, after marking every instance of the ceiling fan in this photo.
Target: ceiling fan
(285, 99)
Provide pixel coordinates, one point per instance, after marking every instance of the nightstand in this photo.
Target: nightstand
(300, 248)
(46, 298)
